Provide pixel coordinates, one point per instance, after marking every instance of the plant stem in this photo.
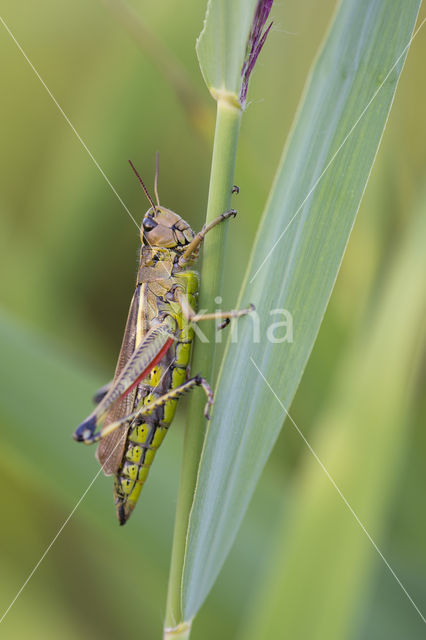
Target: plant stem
(220, 189)
(181, 632)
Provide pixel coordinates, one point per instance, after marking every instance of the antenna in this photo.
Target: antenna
(143, 186)
(156, 178)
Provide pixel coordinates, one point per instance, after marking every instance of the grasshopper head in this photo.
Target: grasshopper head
(164, 228)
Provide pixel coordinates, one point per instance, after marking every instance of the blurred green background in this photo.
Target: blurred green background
(68, 257)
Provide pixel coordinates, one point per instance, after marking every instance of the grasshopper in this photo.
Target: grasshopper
(134, 411)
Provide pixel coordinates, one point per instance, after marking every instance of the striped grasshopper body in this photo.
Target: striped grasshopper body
(134, 412)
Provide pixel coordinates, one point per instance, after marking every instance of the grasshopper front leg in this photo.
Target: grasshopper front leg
(195, 243)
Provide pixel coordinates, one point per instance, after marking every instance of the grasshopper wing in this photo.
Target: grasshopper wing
(110, 449)
(140, 352)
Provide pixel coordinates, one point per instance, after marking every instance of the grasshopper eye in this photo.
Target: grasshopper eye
(149, 224)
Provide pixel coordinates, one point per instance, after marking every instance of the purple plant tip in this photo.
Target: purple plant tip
(255, 43)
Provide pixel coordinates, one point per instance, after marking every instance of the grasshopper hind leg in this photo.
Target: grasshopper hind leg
(101, 393)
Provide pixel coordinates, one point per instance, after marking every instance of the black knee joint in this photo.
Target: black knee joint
(84, 433)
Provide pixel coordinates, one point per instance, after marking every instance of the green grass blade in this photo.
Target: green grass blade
(361, 439)
(310, 213)
(221, 46)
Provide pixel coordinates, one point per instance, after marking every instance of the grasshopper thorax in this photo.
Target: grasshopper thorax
(164, 228)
